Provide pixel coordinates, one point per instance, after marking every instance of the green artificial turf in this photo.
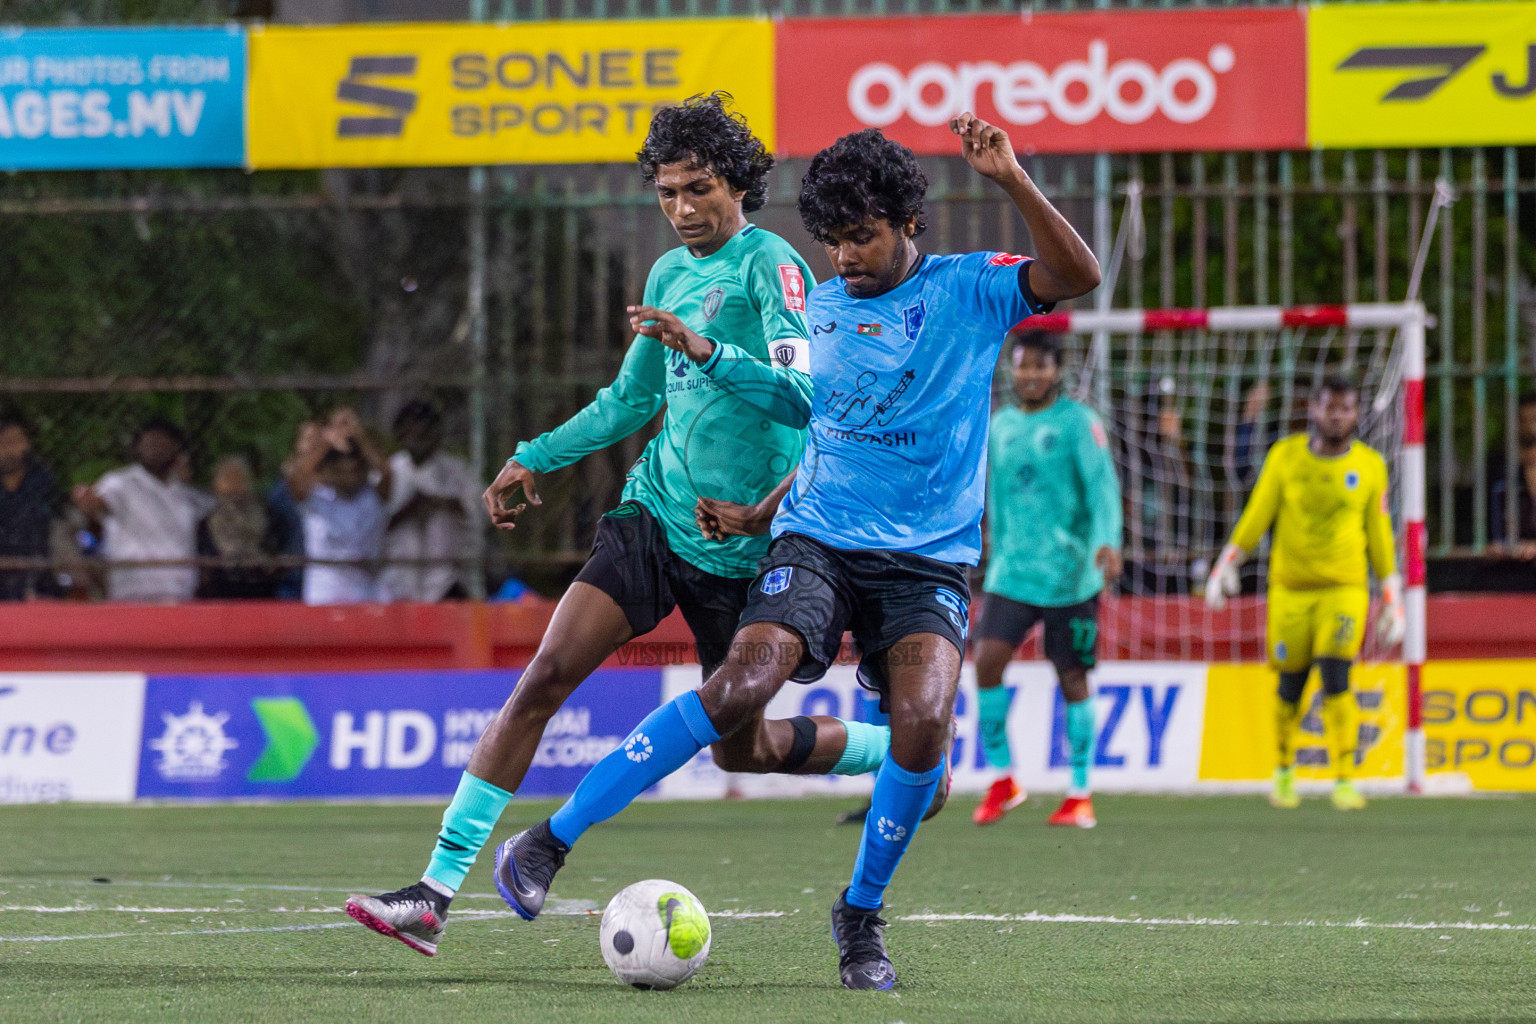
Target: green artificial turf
(1203, 909)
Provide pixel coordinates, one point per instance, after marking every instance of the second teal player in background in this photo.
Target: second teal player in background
(1053, 515)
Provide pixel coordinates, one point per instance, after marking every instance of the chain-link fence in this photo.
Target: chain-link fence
(241, 305)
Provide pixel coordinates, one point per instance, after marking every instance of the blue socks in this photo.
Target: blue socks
(992, 707)
(662, 743)
(895, 810)
(467, 824)
(1080, 729)
(866, 748)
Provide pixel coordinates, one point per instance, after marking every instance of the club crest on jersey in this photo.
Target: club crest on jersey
(712, 302)
(794, 287)
(777, 580)
(1006, 259)
(1351, 480)
(869, 328)
(912, 320)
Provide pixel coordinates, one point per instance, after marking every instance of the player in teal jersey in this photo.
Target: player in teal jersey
(1053, 513)
(744, 289)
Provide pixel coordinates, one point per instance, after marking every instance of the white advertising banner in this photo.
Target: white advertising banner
(1149, 715)
(70, 736)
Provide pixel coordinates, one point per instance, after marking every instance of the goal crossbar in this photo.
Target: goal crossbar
(1409, 320)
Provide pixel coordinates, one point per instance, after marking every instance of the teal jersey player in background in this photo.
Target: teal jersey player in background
(722, 437)
(1053, 515)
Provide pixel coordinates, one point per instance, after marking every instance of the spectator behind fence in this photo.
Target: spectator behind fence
(149, 514)
(27, 496)
(341, 487)
(238, 529)
(433, 505)
(1520, 541)
(287, 523)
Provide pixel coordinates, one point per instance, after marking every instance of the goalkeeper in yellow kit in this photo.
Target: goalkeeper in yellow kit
(1325, 494)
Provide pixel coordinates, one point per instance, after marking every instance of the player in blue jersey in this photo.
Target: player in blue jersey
(1053, 516)
(728, 280)
(884, 513)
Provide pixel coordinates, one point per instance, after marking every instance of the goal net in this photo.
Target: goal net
(1193, 399)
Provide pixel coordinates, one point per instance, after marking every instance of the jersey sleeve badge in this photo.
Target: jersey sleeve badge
(793, 283)
(1005, 259)
(1099, 437)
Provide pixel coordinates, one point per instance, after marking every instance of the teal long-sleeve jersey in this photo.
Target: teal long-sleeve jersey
(1052, 502)
(734, 425)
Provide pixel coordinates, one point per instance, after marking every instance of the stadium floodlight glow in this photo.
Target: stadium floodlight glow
(1403, 381)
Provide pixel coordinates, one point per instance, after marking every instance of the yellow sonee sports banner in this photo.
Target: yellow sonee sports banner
(1239, 745)
(1421, 74)
(529, 93)
(1480, 722)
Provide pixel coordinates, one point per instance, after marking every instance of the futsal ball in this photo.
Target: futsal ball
(655, 934)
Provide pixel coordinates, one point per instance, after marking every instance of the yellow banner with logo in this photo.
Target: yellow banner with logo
(528, 93)
(1480, 722)
(1238, 741)
(1421, 74)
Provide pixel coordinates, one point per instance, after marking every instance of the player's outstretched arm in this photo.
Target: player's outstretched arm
(1258, 515)
(781, 392)
(614, 413)
(1064, 266)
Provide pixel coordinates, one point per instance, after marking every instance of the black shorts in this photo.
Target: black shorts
(880, 596)
(1071, 632)
(632, 563)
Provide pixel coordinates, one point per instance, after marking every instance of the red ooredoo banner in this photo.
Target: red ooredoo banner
(1123, 81)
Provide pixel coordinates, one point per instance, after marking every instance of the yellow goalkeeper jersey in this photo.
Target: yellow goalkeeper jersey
(1329, 514)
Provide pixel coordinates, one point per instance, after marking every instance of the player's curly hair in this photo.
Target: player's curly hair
(703, 131)
(860, 176)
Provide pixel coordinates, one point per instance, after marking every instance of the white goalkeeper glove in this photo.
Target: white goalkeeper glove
(1392, 620)
(1224, 581)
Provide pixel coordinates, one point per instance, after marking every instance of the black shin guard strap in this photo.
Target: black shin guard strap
(805, 743)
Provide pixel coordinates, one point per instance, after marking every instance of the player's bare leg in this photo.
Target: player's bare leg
(922, 684)
(1077, 809)
(808, 745)
(991, 657)
(586, 628)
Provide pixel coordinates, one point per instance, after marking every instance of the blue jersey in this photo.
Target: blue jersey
(896, 456)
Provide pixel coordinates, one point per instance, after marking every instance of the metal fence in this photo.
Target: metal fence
(242, 304)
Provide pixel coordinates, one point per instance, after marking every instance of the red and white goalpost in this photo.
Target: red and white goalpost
(1398, 379)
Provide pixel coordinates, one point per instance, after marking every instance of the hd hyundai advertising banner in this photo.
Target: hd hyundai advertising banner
(1119, 81)
(108, 98)
(364, 734)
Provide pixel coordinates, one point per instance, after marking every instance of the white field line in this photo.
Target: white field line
(1035, 917)
(585, 908)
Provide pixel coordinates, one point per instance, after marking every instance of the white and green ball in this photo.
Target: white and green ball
(655, 934)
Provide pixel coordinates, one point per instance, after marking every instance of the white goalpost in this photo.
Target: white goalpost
(1190, 396)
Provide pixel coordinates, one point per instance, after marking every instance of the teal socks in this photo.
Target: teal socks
(867, 745)
(992, 705)
(467, 824)
(1080, 727)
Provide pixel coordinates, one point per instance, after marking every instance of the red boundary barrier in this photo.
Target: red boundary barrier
(280, 637)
